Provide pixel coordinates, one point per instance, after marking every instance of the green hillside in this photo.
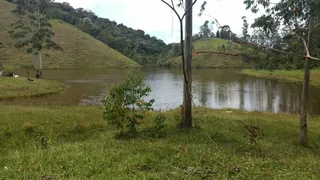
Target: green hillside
(228, 55)
(79, 49)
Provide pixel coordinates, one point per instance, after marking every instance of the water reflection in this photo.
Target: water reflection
(228, 89)
(211, 88)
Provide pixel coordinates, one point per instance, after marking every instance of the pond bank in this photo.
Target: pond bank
(295, 75)
(82, 145)
(12, 88)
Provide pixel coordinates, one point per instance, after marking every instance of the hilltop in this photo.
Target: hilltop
(79, 49)
(208, 52)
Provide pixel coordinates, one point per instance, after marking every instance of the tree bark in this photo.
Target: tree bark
(305, 90)
(40, 63)
(187, 99)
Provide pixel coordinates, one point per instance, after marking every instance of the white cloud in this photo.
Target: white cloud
(156, 19)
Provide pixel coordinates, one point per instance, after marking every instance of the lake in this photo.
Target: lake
(211, 88)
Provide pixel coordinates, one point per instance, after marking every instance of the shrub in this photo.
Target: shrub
(124, 104)
(159, 121)
(29, 128)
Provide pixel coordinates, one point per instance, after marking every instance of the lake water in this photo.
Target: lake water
(211, 88)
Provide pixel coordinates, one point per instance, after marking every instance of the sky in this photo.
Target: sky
(156, 19)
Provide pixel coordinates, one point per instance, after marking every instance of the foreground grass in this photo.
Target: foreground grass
(296, 75)
(20, 88)
(82, 146)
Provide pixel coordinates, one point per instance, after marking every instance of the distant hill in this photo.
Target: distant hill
(79, 49)
(207, 53)
(135, 44)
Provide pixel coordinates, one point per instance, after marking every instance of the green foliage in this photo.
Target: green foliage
(124, 104)
(135, 44)
(206, 30)
(293, 16)
(80, 50)
(36, 33)
(29, 128)
(159, 121)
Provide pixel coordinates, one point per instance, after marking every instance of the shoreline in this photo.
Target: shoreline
(293, 76)
(15, 88)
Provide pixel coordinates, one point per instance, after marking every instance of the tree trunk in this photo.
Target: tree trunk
(304, 105)
(40, 63)
(187, 98)
(305, 90)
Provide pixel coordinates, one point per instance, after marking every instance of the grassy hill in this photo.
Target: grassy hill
(205, 57)
(79, 49)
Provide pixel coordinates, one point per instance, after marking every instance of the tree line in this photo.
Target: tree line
(135, 44)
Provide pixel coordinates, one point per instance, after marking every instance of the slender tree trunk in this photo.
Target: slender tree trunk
(40, 63)
(304, 105)
(305, 90)
(187, 99)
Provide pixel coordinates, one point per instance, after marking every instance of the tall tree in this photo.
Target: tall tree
(33, 32)
(186, 53)
(225, 32)
(301, 17)
(245, 34)
(187, 100)
(205, 30)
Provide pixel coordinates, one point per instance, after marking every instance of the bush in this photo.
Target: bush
(159, 121)
(29, 128)
(158, 131)
(124, 104)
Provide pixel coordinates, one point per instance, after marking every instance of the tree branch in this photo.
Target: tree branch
(189, 9)
(172, 4)
(281, 51)
(183, 55)
(173, 9)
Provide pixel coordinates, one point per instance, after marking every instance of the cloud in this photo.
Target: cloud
(156, 19)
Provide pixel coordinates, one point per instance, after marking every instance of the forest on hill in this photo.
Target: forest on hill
(135, 44)
(254, 48)
(79, 49)
(267, 31)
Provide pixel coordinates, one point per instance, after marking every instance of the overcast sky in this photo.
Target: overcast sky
(156, 19)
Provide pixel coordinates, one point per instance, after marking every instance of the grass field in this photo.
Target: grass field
(20, 88)
(80, 50)
(212, 60)
(296, 75)
(83, 146)
(213, 44)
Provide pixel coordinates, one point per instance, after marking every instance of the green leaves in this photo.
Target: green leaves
(34, 33)
(125, 104)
